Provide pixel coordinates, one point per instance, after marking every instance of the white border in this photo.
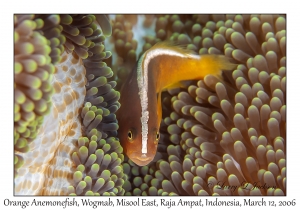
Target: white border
(153, 6)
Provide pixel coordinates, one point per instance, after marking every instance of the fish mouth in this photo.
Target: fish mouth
(142, 158)
(141, 161)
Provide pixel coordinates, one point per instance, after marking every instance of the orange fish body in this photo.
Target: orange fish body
(140, 113)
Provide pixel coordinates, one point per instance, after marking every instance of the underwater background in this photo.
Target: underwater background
(67, 76)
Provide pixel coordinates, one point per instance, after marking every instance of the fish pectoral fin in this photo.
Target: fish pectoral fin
(174, 85)
(219, 77)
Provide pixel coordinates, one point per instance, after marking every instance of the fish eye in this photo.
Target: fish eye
(130, 135)
(157, 137)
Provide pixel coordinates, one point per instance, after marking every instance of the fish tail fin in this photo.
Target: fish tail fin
(216, 63)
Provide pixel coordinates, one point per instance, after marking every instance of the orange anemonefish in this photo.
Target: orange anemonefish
(161, 67)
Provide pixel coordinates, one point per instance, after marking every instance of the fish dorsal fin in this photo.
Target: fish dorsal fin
(180, 48)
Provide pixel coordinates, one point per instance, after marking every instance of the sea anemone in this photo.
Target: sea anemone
(34, 59)
(49, 162)
(228, 132)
